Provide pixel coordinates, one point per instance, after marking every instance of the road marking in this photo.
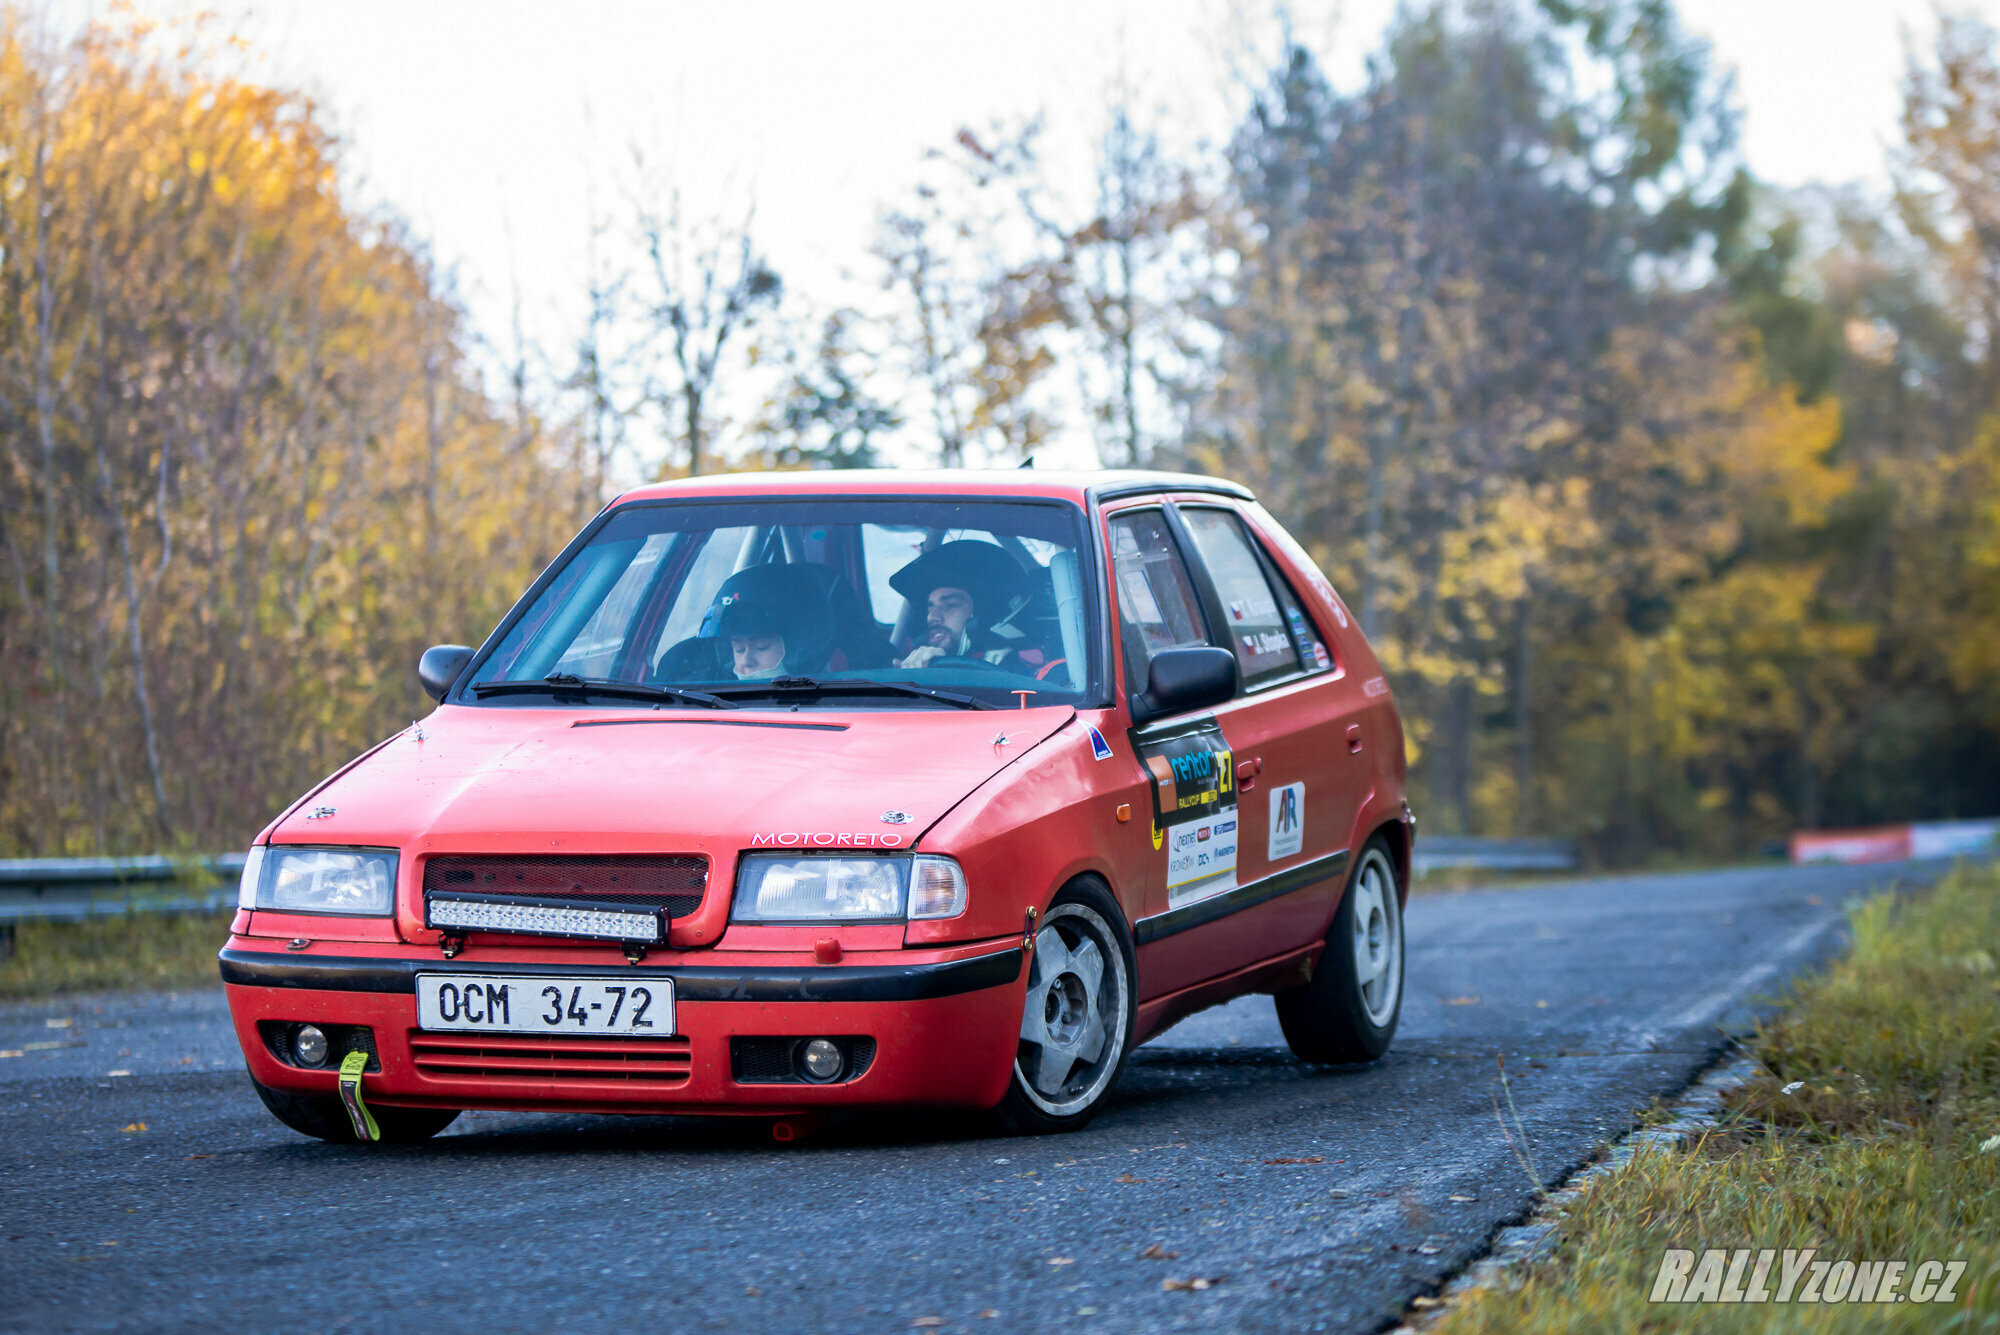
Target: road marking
(1711, 1007)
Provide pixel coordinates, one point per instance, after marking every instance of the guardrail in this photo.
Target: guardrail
(1438, 851)
(75, 888)
(1894, 843)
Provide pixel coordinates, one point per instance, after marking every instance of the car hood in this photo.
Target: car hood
(515, 780)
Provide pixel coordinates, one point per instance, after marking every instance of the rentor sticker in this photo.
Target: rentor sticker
(1288, 821)
(1194, 809)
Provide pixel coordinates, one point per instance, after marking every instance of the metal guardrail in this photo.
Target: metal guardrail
(1437, 851)
(75, 888)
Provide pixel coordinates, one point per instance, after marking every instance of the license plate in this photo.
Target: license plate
(511, 1004)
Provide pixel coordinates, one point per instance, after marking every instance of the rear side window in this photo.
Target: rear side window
(1267, 627)
(1156, 599)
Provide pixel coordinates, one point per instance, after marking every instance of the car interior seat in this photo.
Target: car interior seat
(858, 641)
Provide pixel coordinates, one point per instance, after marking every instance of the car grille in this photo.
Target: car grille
(674, 882)
(514, 1058)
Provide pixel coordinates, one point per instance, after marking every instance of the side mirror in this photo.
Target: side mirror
(1182, 679)
(440, 666)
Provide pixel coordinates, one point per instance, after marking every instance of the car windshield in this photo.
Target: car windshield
(807, 601)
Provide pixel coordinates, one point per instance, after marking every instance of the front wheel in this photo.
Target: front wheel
(1076, 1027)
(325, 1117)
(1347, 1011)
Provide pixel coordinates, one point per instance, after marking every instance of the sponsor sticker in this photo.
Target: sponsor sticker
(1375, 686)
(1194, 809)
(1320, 658)
(1098, 746)
(1288, 821)
(826, 839)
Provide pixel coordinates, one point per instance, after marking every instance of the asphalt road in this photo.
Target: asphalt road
(143, 1187)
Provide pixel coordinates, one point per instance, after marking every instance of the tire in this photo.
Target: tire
(1076, 1024)
(1347, 1011)
(324, 1117)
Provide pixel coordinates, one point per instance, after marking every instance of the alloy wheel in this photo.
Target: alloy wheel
(1073, 1025)
(1378, 946)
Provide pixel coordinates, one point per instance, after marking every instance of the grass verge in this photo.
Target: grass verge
(1860, 1137)
(152, 950)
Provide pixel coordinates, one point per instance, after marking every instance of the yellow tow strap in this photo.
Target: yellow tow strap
(351, 1068)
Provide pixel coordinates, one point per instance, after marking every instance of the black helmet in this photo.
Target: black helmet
(774, 600)
(993, 578)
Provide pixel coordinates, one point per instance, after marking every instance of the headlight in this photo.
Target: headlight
(819, 889)
(779, 888)
(353, 882)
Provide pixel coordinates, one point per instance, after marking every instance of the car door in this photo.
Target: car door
(1187, 780)
(1296, 785)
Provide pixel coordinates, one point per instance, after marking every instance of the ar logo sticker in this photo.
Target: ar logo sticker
(1288, 821)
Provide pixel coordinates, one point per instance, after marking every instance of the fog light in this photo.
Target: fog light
(821, 1059)
(309, 1045)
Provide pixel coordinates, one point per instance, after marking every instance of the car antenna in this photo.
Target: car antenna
(1028, 462)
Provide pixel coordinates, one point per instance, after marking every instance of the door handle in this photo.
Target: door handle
(1354, 739)
(1247, 772)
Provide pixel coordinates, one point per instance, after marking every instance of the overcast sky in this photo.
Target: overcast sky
(486, 122)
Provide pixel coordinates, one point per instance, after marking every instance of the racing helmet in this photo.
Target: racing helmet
(992, 576)
(777, 600)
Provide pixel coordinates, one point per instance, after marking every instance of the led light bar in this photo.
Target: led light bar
(593, 918)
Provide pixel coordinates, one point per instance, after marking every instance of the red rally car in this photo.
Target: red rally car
(783, 792)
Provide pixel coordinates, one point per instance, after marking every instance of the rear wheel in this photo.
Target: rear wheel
(1347, 1011)
(1076, 1027)
(323, 1117)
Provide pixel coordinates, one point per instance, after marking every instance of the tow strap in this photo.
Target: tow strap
(351, 1068)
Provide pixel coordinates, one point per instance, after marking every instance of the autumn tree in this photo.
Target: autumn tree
(826, 414)
(248, 474)
(705, 288)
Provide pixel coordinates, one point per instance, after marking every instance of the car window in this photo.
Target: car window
(719, 555)
(593, 651)
(1269, 631)
(1156, 599)
(978, 597)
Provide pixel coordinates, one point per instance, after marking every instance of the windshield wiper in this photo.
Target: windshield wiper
(568, 683)
(848, 686)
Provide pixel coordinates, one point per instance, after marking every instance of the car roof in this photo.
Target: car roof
(1096, 484)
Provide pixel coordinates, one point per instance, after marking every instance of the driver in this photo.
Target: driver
(969, 592)
(770, 621)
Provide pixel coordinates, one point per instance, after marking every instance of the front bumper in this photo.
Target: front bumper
(945, 1026)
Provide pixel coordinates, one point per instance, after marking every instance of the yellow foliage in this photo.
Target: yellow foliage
(251, 474)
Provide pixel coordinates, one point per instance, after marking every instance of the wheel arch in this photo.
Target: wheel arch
(1396, 834)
